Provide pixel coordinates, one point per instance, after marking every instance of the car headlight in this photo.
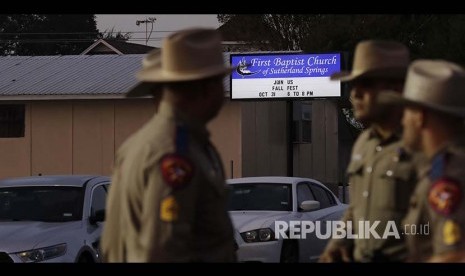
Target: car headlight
(258, 235)
(42, 254)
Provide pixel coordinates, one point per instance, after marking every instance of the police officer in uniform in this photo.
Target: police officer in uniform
(381, 173)
(433, 121)
(167, 201)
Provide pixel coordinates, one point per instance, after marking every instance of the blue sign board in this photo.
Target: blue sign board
(299, 75)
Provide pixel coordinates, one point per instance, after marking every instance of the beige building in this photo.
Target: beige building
(68, 115)
(80, 136)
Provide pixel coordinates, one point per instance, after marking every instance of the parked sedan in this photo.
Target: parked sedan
(52, 218)
(258, 204)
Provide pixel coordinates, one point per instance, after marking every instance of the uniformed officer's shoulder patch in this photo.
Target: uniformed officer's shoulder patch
(445, 195)
(451, 232)
(169, 209)
(177, 170)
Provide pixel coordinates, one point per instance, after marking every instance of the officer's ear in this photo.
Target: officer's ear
(414, 116)
(421, 117)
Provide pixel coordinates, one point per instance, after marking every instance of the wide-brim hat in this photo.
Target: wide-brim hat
(434, 84)
(377, 58)
(187, 55)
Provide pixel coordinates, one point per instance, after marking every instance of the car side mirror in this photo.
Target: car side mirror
(309, 205)
(98, 216)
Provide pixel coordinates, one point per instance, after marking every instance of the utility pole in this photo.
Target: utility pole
(146, 21)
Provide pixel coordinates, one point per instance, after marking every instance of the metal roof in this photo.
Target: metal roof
(70, 76)
(116, 47)
(130, 48)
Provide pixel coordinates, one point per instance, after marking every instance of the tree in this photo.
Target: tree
(115, 35)
(46, 34)
(426, 35)
(277, 32)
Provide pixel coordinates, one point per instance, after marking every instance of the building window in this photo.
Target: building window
(12, 120)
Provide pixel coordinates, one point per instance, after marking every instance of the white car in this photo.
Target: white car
(258, 203)
(52, 218)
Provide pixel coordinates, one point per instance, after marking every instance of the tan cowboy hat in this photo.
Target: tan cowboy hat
(377, 58)
(186, 55)
(435, 84)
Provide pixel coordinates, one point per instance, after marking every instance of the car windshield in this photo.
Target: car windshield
(41, 203)
(260, 196)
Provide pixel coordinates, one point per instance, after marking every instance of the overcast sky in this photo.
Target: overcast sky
(162, 26)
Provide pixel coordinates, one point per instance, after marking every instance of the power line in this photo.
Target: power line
(91, 33)
(150, 20)
(90, 39)
(58, 40)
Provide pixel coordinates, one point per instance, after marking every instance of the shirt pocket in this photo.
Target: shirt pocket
(397, 185)
(355, 168)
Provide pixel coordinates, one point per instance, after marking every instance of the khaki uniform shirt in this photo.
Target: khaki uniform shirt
(382, 177)
(167, 200)
(436, 218)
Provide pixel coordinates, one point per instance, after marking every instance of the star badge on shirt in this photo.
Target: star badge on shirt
(169, 209)
(451, 232)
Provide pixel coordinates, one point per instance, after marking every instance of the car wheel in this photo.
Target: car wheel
(289, 252)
